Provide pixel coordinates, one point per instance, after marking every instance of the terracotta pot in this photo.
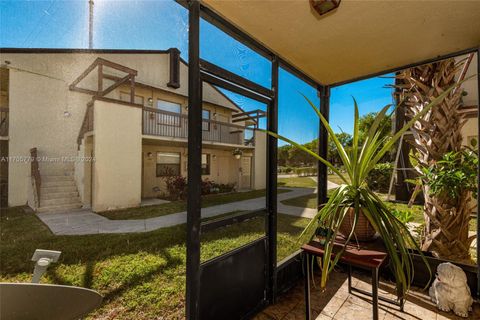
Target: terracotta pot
(364, 230)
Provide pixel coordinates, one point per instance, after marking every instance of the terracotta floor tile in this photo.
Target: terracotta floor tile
(350, 310)
(263, 316)
(335, 303)
(332, 307)
(296, 314)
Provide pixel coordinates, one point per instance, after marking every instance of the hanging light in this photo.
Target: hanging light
(237, 153)
(324, 6)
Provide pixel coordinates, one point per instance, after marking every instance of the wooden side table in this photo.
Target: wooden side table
(370, 256)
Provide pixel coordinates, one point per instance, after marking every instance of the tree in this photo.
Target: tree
(437, 133)
(345, 140)
(365, 122)
(284, 155)
(289, 155)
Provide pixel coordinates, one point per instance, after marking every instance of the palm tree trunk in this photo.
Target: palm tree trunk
(434, 135)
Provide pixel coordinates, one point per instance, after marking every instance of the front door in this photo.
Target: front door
(245, 173)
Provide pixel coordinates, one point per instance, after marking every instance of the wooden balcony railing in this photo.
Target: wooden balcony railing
(35, 173)
(168, 124)
(3, 122)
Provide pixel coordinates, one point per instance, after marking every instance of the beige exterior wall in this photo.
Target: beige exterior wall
(83, 170)
(260, 160)
(153, 70)
(37, 119)
(217, 112)
(117, 150)
(224, 168)
(45, 114)
(470, 131)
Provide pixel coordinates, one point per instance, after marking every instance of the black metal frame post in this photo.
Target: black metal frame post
(323, 145)
(478, 177)
(306, 271)
(272, 125)
(194, 164)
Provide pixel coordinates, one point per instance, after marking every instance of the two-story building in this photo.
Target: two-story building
(106, 127)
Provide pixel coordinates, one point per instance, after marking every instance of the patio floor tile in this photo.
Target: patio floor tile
(336, 303)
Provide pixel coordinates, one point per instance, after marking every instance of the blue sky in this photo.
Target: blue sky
(163, 24)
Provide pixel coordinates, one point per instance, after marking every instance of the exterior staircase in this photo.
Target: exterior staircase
(58, 192)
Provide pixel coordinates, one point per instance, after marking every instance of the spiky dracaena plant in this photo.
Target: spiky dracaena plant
(358, 161)
(437, 133)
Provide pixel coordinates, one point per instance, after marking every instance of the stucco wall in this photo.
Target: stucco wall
(470, 130)
(45, 114)
(37, 119)
(471, 86)
(83, 170)
(153, 69)
(117, 151)
(260, 160)
(224, 168)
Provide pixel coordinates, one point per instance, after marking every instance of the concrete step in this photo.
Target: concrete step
(57, 195)
(59, 208)
(66, 183)
(53, 178)
(61, 201)
(56, 189)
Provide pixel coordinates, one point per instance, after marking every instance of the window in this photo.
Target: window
(168, 164)
(205, 164)
(169, 106)
(206, 116)
(171, 118)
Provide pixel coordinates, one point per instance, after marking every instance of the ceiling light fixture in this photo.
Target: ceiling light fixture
(324, 6)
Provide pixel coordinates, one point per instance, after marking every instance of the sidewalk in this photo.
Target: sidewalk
(84, 221)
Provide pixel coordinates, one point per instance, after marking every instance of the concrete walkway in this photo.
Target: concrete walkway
(330, 185)
(82, 222)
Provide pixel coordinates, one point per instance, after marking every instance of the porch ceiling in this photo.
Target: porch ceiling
(358, 39)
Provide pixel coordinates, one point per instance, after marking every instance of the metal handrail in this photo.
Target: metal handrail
(4, 112)
(87, 124)
(35, 173)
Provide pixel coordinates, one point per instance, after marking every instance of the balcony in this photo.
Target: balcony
(3, 122)
(168, 124)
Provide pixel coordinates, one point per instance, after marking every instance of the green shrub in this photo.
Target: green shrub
(454, 174)
(405, 216)
(379, 178)
(307, 171)
(284, 170)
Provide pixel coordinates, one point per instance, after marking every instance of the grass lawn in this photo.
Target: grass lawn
(181, 205)
(308, 201)
(297, 182)
(336, 179)
(141, 275)
(305, 182)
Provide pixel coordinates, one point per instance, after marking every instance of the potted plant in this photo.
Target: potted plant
(355, 211)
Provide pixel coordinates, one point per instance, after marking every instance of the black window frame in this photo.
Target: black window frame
(206, 121)
(176, 120)
(207, 170)
(164, 172)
